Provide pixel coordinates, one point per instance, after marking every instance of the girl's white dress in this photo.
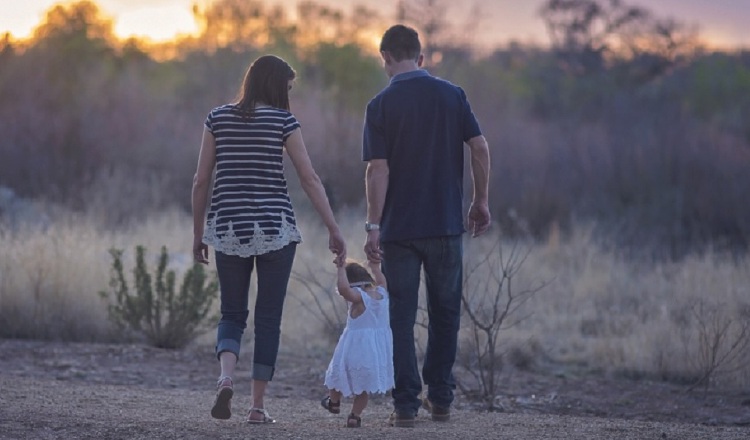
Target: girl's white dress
(363, 358)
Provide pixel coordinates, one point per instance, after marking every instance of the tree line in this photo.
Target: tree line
(624, 121)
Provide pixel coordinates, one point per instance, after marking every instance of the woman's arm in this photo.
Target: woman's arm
(201, 187)
(313, 187)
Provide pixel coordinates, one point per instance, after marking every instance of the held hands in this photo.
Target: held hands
(337, 245)
(338, 262)
(479, 218)
(372, 247)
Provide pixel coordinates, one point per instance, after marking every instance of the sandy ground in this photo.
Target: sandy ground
(54, 390)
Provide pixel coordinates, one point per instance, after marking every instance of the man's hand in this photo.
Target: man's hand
(479, 219)
(372, 246)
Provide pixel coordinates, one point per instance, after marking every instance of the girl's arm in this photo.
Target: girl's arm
(345, 290)
(377, 274)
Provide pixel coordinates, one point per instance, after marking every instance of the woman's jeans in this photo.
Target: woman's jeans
(274, 269)
(441, 259)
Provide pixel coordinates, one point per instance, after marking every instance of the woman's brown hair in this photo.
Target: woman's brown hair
(266, 82)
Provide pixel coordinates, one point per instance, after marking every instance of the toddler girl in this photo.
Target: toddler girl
(362, 362)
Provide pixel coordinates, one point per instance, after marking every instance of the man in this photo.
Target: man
(414, 136)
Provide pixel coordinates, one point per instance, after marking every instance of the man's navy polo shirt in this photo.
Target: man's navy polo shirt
(419, 123)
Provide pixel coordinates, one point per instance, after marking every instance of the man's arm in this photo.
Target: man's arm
(479, 212)
(376, 187)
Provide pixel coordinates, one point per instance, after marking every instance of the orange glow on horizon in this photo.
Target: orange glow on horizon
(156, 24)
(716, 41)
(166, 21)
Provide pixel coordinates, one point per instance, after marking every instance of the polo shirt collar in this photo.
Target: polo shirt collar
(409, 75)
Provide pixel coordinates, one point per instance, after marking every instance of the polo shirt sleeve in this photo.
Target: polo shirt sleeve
(373, 143)
(290, 124)
(470, 124)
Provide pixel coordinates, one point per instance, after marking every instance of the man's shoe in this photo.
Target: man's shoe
(438, 413)
(400, 420)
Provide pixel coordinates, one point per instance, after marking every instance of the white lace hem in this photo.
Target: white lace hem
(354, 381)
(259, 243)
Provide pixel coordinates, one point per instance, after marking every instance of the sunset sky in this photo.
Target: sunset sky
(721, 22)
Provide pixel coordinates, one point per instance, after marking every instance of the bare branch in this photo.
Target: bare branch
(489, 300)
(327, 303)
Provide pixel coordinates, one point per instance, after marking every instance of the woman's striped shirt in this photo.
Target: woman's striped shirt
(251, 212)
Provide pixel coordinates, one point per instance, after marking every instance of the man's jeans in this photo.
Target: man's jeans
(274, 269)
(441, 259)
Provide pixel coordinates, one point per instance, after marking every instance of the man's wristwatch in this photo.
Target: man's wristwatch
(371, 226)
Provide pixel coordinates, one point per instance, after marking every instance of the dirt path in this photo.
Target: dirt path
(98, 391)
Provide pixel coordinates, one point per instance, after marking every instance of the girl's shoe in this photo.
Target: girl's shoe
(264, 417)
(330, 405)
(222, 408)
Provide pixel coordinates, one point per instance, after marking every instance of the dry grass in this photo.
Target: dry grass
(598, 310)
(50, 275)
(618, 316)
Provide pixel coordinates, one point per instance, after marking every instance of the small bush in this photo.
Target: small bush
(154, 310)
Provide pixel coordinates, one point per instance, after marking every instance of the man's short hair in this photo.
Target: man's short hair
(402, 42)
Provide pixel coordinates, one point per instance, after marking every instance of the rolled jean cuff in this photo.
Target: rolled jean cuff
(229, 345)
(262, 372)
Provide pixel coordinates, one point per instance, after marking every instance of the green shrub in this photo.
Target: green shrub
(154, 310)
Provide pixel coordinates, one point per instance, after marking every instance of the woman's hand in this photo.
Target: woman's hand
(337, 245)
(200, 251)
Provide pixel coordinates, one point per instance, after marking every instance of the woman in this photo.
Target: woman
(251, 221)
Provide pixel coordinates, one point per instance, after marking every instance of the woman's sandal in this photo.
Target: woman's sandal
(330, 405)
(353, 421)
(265, 418)
(222, 408)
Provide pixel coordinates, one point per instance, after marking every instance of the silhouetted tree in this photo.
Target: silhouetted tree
(589, 35)
(68, 59)
(430, 18)
(438, 32)
(240, 24)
